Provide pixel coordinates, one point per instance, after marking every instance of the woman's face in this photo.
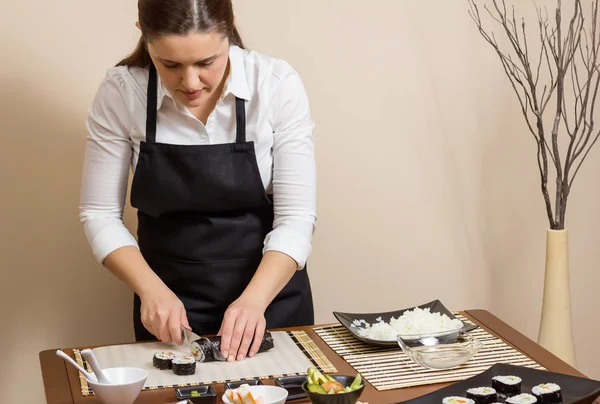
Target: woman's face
(192, 67)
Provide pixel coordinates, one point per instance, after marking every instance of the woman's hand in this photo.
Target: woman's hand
(163, 314)
(244, 321)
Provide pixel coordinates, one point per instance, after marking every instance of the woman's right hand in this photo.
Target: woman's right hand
(163, 314)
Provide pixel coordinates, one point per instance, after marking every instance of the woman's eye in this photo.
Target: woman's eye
(170, 66)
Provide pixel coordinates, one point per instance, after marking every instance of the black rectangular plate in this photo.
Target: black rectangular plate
(207, 394)
(293, 384)
(346, 319)
(575, 390)
(250, 382)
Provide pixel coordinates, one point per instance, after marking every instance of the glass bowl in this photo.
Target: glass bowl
(441, 350)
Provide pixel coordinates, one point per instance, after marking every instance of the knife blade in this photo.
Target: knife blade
(189, 336)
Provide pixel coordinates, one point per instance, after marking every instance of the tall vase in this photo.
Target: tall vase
(556, 327)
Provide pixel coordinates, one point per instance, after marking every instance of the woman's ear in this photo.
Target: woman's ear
(137, 24)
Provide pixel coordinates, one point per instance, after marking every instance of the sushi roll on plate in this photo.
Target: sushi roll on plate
(184, 365)
(482, 395)
(457, 400)
(507, 386)
(163, 360)
(547, 393)
(522, 398)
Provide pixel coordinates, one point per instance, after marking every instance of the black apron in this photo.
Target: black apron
(203, 215)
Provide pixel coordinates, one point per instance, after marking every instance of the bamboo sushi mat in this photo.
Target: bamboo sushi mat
(307, 347)
(389, 368)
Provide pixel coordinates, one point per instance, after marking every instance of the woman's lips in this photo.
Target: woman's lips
(192, 95)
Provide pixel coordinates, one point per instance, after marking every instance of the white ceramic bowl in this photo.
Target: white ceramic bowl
(126, 385)
(270, 394)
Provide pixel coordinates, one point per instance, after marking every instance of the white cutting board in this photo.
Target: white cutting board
(285, 358)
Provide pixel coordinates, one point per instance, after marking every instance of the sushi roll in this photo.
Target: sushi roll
(457, 400)
(547, 393)
(184, 365)
(482, 395)
(163, 360)
(209, 349)
(507, 386)
(522, 398)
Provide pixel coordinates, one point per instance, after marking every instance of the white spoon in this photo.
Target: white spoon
(91, 358)
(88, 375)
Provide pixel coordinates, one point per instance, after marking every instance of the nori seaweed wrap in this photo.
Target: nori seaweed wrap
(184, 365)
(209, 349)
(162, 360)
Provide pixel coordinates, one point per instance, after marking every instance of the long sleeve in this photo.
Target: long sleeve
(294, 171)
(106, 166)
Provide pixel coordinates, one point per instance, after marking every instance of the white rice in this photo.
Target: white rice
(416, 321)
(509, 380)
(545, 389)
(457, 400)
(522, 399)
(482, 391)
(180, 360)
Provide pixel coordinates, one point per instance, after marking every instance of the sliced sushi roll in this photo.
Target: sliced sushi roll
(163, 360)
(184, 365)
(209, 349)
(482, 395)
(522, 398)
(507, 386)
(457, 400)
(547, 393)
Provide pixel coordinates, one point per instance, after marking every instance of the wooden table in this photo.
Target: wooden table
(61, 381)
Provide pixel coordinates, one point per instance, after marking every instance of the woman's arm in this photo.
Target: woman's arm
(288, 245)
(103, 190)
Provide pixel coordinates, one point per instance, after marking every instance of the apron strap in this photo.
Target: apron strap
(151, 105)
(240, 117)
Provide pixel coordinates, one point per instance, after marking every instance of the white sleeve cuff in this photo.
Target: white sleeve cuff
(290, 243)
(110, 239)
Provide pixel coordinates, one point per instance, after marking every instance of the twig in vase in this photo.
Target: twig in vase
(570, 55)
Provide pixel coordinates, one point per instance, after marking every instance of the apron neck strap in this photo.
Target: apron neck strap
(240, 117)
(240, 111)
(151, 105)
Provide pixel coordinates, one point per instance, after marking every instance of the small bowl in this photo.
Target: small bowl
(341, 398)
(237, 384)
(270, 394)
(207, 394)
(442, 350)
(127, 385)
(293, 385)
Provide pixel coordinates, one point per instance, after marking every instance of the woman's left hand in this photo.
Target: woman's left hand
(244, 321)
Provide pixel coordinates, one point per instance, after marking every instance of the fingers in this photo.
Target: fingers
(174, 322)
(258, 336)
(236, 338)
(248, 335)
(226, 332)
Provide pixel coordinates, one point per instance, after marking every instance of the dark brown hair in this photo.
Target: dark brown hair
(181, 17)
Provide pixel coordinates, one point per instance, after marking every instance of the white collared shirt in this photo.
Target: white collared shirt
(277, 119)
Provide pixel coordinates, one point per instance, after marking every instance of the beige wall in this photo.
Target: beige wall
(427, 182)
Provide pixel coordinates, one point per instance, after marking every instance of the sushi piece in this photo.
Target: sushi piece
(184, 365)
(482, 395)
(547, 393)
(522, 398)
(457, 400)
(209, 349)
(163, 360)
(507, 386)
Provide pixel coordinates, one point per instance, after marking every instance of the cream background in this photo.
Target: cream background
(428, 186)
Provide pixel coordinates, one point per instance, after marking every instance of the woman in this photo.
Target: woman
(220, 143)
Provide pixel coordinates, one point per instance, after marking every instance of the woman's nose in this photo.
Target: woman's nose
(191, 80)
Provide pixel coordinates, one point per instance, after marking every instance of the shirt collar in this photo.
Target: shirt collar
(236, 84)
